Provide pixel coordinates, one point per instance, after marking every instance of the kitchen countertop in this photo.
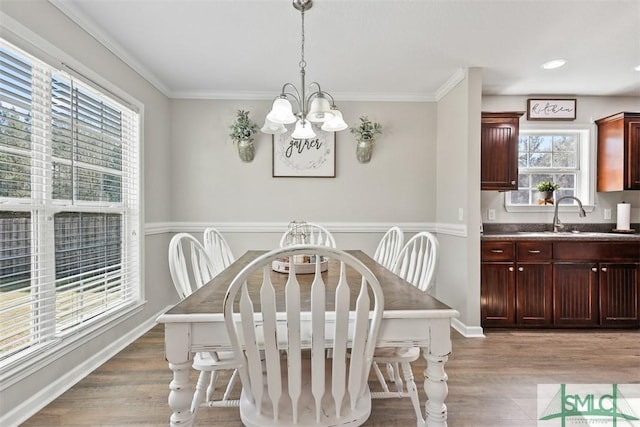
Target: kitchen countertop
(563, 235)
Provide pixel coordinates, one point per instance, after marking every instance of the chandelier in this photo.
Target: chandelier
(317, 107)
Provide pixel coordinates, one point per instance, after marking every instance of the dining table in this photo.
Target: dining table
(411, 318)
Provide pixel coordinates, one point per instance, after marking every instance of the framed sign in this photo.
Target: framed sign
(311, 158)
(551, 109)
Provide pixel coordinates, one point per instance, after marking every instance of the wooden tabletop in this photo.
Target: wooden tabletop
(401, 297)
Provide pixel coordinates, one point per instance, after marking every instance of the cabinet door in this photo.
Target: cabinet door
(534, 293)
(619, 294)
(575, 294)
(633, 153)
(499, 151)
(497, 294)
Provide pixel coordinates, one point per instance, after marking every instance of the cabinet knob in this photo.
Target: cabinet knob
(604, 269)
(513, 183)
(510, 268)
(595, 270)
(520, 268)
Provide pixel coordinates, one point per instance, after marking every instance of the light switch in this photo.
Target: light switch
(460, 214)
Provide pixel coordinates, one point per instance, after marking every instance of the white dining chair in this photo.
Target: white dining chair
(307, 233)
(191, 268)
(389, 247)
(217, 248)
(417, 263)
(292, 382)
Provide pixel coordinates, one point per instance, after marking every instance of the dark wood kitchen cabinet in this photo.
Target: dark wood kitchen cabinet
(618, 152)
(497, 284)
(619, 287)
(596, 283)
(499, 150)
(516, 284)
(534, 291)
(559, 283)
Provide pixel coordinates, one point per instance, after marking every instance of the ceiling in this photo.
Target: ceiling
(399, 50)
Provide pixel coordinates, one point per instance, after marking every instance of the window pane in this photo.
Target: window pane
(15, 175)
(88, 265)
(520, 197)
(15, 281)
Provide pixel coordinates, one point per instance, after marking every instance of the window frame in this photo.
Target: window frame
(585, 180)
(23, 363)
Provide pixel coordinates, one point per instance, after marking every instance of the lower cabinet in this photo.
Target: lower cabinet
(575, 293)
(560, 284)
(534, 294)
(619, 287)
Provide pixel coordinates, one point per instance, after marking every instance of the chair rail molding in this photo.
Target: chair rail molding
(151, 228)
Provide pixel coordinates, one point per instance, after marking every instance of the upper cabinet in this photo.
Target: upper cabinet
(619, 152)
(499, 151)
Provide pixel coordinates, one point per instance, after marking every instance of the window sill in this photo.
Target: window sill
(546, 208)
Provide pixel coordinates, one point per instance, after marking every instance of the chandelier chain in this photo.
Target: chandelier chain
(302, 63)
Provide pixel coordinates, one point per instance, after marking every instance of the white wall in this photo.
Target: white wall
(589, 108)
(211, 184)
(458, 178)
(38, 19)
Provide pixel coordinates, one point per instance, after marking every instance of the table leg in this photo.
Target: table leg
(435, 386)
(177, 339)
(435, 378)
(181, 395)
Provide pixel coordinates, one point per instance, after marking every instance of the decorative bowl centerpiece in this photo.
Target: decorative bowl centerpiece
(298, 233)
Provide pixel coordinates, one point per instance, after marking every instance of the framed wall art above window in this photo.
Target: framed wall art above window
(551, 109)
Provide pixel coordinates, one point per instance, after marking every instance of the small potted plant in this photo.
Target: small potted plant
(365, 133)
(546, 189)
(242, 131)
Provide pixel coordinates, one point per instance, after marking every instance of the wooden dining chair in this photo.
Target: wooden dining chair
(217, 248)
(389, 247)
(281, 344)
(417, 263)
(191, 268)
(307, 233)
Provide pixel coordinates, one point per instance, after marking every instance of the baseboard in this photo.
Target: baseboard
(54, 390)
(467, 331)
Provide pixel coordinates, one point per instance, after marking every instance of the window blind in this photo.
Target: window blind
(68, 205)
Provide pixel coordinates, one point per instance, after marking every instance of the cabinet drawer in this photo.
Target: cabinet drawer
(596, 251)
(497, 251)
(534, 251)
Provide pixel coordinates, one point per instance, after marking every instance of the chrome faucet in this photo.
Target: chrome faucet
(556, 221)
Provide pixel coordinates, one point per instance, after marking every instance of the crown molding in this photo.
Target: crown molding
(92, 28)
(451, 83)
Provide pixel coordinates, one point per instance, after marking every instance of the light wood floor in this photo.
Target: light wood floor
(492, 381)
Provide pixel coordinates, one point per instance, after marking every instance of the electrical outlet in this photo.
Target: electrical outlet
(491, 214)
(607, 213)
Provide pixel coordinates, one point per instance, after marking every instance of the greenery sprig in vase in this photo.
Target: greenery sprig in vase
(366, 130)
(365, 133)
(242, 132)
(546, 189)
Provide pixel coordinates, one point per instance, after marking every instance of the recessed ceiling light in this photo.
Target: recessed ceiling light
(637, 68)
(556, 63)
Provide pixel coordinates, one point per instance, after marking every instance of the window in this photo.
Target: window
(559, 156)
(68, 205)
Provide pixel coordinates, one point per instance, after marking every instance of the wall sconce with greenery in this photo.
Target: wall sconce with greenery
(365, 133)
(242, 131)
